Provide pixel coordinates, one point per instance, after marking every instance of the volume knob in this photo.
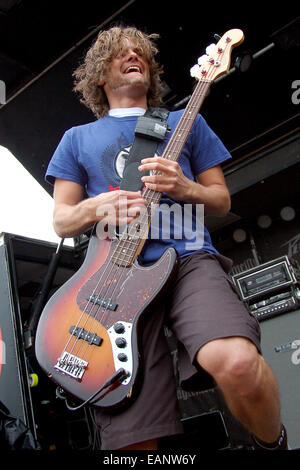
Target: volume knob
(119, 328)
(122, 357)
(121, 342)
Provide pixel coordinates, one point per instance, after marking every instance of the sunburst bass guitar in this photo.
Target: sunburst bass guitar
(87, 339)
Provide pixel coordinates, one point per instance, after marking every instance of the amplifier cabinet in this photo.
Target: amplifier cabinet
(275, 275)
(14, 378)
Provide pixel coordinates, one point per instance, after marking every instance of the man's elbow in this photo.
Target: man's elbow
(59, 225)
(60, 232)
(225, 206)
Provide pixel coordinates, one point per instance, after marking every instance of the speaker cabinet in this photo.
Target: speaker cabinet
(281, 349)
(14, 378)
(24, 269)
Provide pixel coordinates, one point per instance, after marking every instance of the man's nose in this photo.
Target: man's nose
(132, 54)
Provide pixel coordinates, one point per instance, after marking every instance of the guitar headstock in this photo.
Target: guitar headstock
(216, 61)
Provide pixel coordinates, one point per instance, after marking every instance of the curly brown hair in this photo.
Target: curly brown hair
(108, 45)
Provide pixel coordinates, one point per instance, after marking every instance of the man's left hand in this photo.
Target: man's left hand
(168, 177)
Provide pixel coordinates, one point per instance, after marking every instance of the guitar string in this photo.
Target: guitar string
(153, 196)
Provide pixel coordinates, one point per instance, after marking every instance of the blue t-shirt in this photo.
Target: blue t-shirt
(93, 155)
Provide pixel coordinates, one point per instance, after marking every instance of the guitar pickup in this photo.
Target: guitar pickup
(105, 303)
(80, 333)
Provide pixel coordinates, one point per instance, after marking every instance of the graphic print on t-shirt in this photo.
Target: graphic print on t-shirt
(113, 162)
(120, 161)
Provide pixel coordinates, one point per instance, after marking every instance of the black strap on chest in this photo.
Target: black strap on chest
(150, 130)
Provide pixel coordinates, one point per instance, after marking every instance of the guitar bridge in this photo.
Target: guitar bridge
(71, 365)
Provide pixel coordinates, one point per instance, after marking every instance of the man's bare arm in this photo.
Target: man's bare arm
(73, 214)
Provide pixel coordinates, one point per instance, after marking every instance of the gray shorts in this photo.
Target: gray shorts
(202, 306)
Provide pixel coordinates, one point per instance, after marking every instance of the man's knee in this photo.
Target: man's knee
(234, 363)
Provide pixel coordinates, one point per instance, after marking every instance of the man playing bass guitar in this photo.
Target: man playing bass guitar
(118, 80)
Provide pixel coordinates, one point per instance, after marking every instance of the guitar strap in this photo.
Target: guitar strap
(150, 130)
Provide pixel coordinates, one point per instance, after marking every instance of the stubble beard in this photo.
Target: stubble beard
(121, 81)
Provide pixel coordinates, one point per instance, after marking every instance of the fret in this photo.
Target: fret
(122, 255)
(125, 246)
(185, 129)
(131, 241)
(173, 150)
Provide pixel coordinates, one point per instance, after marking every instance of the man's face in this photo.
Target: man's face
(128, 71)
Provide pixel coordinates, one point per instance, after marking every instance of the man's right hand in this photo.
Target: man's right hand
(119, 207)
(73, 214)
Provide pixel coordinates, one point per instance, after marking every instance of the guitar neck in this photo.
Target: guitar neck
(133, 238)
(183, 128)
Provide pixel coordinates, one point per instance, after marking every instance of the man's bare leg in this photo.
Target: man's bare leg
(247, 382)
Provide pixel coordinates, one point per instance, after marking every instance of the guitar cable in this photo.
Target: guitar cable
(120, 375)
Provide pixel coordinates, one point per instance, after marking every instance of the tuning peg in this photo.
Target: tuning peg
(202, 59)
(217, 37)
(209, 50)
(194, 71)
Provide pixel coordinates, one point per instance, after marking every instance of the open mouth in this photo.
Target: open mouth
(133, 68)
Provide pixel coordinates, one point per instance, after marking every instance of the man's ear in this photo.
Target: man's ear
(101, 82)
